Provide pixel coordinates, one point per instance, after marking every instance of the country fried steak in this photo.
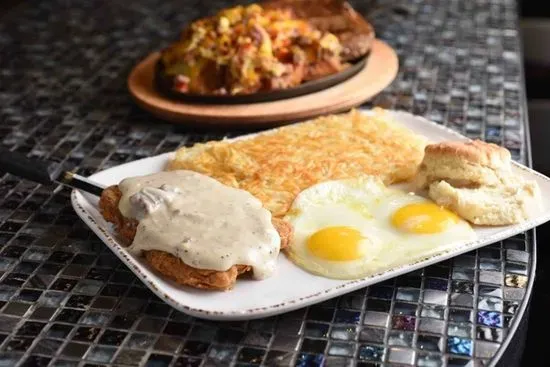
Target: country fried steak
(169, 265)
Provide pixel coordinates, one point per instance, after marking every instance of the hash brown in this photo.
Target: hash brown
(275, 166)
(169, 265)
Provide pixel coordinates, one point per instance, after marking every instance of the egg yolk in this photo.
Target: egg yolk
(423, 218)
(336, 244)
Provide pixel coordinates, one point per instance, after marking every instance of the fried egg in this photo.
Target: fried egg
(348, 229)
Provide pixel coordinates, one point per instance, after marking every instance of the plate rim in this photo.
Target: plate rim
(79, 202)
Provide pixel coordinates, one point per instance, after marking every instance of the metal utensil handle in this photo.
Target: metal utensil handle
(43, 172)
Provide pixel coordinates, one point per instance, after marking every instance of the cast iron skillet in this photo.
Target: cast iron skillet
(164, 86)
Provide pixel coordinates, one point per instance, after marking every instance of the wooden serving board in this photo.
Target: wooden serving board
(379, 71)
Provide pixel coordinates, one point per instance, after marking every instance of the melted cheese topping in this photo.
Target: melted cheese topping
(206, 224)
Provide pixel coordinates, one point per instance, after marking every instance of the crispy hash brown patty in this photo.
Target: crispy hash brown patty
(168, 264)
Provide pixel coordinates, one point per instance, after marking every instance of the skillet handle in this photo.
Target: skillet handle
(43, 172)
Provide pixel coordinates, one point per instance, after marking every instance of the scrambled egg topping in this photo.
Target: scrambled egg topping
(246, 49)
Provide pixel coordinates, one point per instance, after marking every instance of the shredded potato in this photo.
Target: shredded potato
(275, 166)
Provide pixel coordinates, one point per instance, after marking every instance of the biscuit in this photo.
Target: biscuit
(502, 204)
(464, 164)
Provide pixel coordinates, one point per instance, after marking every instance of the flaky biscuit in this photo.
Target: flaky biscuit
(489, 205)
(464, 164)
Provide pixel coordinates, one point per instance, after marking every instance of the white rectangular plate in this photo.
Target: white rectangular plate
(290, 288)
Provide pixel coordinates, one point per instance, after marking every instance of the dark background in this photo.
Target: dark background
(535, 26)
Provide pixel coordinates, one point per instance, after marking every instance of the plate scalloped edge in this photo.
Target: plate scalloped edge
(84, 208)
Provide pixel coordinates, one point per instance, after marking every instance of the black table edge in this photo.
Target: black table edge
(519, 317)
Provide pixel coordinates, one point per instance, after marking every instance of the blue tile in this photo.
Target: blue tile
(435, 283)
(347, 317)
(456, 345)
(309, 360)
(489, 318)
(371, 353)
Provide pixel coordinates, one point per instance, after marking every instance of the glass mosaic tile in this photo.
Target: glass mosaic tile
(383, 292)
(514, 293)
(464, 261)
(461, 300)
(285, 342)
(316, 330)
(305, 360)
(459, 286)
(403, 322)
(341, 349)
(371, 353)
(430, 343)
(374, 335)
(376, 318)
(491, 277)
(436, 312)
(490, 264)
(64, 293)
(460, 329)
(459, 362)
(489, 318)
(463, 274)
(407, 309)
(515, 268)
(511, 307)
(485, 349)
(222, 353)
(431, 325)
(514, 280)
(400, 338)
(457, 345)
(407, 294)
(315, 346)
(429, 360)
(347, 317)
(402, 356)
(435, 283)
(343, 333)
(490, 304)
(489, 334)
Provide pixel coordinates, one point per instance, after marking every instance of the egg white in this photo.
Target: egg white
(411, 245)
(366, 205)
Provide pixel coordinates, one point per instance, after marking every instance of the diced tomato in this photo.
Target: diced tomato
(181, 83)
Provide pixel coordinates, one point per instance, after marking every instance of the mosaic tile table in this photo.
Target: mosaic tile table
(67, 301)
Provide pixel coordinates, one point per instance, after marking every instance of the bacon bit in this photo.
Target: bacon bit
(283, 54)
(181, 83)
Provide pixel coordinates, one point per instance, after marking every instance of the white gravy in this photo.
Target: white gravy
(206, 224)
